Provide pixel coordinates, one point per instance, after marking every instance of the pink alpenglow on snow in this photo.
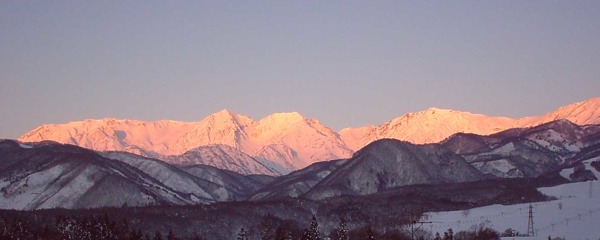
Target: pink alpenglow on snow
(284, 142)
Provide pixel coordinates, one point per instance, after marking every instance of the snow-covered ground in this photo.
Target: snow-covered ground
(574, 215)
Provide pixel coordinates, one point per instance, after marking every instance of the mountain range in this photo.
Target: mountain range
(274, 145)
(434, 125)
(555, 148)
(281, 142)
(49, 175)
(53, 175)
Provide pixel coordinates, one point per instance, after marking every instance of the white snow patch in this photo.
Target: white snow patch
(270, 164)
(222, 194)
(587, 164)
(26, 192)
(4, 183)
(575, 215)
(502, 165)
(567, 172)
(507, 148)
(22, 145)
(554, 141)
(323, 174)
(504, 150)
(75, 188)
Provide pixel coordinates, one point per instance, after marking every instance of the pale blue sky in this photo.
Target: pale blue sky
(346, 63)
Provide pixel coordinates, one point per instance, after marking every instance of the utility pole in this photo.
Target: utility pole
(415, 224)
(413, 221)
(530, 231)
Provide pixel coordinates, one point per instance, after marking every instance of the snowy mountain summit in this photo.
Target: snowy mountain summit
(434, 125)
(281, 142)
(49, 174)
(277, 144)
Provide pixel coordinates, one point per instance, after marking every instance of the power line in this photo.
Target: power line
(530, 231)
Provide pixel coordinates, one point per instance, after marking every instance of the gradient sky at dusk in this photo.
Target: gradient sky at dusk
(346, 63)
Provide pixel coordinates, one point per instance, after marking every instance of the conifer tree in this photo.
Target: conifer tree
(449, 235)
(171, 235)
(342, 231)
(157, 236)
(313, 232)
(242, 235)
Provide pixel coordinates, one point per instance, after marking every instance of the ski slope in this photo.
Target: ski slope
(574, 215)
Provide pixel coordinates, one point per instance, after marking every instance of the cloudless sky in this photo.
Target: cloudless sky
(346, 63)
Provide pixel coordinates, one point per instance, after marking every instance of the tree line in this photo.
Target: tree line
(97, 227)
(342, 232)
(101, 227)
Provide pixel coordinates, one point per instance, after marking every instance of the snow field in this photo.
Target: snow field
(574, 215)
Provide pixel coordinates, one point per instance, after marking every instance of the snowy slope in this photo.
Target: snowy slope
(242, 185)
(429, 126)
(287, 141)
(115, 135)
(223, 157)
(528, 152)
(434, 125)
(581, 113)
(223, 128)
(310, 140)
(176, 178)
(298, 182)
(390, 163)
(283, 141)
(515, 159)
(574, 215)
(50, 175)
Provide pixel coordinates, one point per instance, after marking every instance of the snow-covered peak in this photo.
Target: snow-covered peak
(390, 163)
(111, 134)
(227, 117)
(432, 117)
(224, 113)
(436, 124)
(308, 138)
(434, 110)
(223, 127)
(284, 118)
(278, 124)
(584, 112)
(429, 126)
